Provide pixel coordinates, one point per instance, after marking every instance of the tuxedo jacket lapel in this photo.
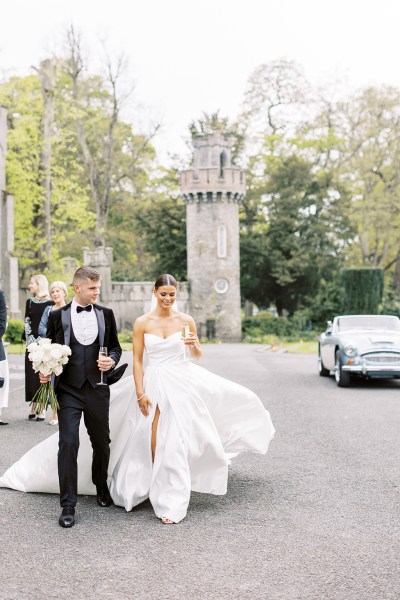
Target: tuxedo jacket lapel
(101, 324)
(66, 324)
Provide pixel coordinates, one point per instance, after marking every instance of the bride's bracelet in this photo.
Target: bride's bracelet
(142, 396)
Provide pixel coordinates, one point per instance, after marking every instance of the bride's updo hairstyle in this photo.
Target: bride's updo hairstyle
(165, 280)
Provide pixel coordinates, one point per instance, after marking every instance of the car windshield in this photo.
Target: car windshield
(368, 322)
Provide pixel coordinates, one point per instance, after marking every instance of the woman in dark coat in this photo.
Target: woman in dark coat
(39, 287)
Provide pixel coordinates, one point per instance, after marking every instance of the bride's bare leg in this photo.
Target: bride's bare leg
(154, 432)
(154, 426)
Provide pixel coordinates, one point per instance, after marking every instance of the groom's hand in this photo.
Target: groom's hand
(44, 378)
(105, 363)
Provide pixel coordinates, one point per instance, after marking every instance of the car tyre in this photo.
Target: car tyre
(342, 377)
(321, 369)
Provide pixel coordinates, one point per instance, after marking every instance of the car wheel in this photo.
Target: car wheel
(342, 378)
(321, 369)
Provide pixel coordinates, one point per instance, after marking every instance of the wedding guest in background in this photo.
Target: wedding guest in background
(39, 288)
(4, 376)
(58, 293)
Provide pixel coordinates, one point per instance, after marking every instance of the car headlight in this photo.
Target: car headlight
(350, 350)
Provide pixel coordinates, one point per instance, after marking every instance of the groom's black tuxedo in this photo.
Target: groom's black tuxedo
(59, 329)
(77, 393)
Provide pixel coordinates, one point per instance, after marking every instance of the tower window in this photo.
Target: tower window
(222, 163)
(222, 242)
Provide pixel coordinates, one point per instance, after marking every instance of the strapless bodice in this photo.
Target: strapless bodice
(162, 351)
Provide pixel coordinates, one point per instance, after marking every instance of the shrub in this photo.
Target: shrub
(125, 336)
(267, 324)
(14, 331)
(363, 290)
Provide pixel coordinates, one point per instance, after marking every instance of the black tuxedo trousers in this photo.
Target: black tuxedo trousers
(78, 394)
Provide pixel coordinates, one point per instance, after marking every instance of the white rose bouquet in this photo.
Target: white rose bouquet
(47, 358)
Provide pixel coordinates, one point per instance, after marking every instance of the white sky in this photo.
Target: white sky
(191, 56)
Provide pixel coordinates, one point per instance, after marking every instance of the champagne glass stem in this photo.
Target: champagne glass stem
(185, 333)
(102, 352)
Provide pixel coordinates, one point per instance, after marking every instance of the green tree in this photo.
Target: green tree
(162, 223)
(66, 217)
(294, 221)
(62, 201)
(371, 165)
(113, 155)
(305, 231)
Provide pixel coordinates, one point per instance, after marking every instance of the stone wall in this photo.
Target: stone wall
(131, 299)
(128, 299)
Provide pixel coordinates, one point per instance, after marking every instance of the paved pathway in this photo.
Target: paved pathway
(317, 518)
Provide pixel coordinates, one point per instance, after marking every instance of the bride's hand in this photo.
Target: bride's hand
(190, 339)
(145, 405)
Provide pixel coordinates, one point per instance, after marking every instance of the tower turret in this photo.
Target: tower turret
(212, 190)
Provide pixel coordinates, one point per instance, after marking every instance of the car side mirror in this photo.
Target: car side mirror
(329, 328)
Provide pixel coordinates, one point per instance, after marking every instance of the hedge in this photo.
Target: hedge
(363, 290)
(14, 331)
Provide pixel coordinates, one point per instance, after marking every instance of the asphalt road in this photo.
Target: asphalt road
(318, 517)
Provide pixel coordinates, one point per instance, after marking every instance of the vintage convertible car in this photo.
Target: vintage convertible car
(362, 345)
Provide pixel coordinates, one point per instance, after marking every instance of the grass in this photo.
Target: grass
(301, 347)
(293, 345)
(298, 346)
(126, 345)
(15, 348)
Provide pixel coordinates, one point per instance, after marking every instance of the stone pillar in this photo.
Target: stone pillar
(8, 262)
(212, 190)
(3, 147)
(101, 258)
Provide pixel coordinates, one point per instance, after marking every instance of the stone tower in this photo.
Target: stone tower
(212, 190)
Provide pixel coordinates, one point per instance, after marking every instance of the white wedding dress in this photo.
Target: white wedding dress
(204, 420)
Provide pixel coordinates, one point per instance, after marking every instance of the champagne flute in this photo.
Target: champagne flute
(102, 353)
(185, 334)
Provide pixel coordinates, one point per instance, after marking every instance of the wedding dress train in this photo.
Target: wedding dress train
(204, 419)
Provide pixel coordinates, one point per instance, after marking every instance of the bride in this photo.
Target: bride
(174, 435)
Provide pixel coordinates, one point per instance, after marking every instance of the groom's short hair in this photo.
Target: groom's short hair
(86, 273)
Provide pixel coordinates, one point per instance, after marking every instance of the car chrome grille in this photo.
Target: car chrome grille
(382, 358)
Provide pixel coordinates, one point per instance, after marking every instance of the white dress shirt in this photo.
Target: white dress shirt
(84, 325)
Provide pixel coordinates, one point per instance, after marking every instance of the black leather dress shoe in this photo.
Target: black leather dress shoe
(67, 517)
(103, 497)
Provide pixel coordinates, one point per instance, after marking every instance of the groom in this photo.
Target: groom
(84, 326)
